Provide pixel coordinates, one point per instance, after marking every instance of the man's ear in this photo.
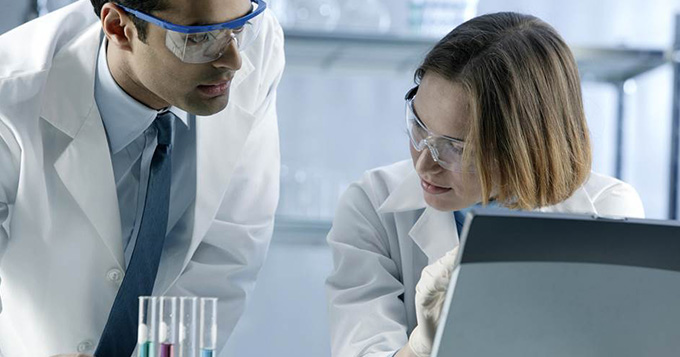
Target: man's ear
(118, 26)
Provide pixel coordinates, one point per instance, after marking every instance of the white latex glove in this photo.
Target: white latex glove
(430, 296)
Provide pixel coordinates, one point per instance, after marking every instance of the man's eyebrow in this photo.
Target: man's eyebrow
(202, 23)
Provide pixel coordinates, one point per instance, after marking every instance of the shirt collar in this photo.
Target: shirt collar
(125, 119)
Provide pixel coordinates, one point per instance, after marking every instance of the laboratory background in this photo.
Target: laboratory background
(341, 112)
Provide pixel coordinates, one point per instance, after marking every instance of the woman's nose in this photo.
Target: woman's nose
(426, 161)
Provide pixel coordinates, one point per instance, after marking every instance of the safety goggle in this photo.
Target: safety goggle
(446, 151)
(203, 44)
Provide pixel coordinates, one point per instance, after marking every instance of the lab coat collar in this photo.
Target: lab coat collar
(579, 202)
(73, 72)
(246, 69)
(220, 139)
(124, 117)
(85, 164)
(434, 231)
(408, 196)
(432, 228)
(70, 84)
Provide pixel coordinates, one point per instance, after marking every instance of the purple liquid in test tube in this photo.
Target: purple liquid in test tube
(167, 350)
(167, 329)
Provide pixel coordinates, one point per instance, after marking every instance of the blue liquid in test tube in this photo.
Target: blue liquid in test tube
(208, 326)
(146, 349)
(146, 330)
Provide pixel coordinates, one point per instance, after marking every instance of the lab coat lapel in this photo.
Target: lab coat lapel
(85, 165)
(435, 231)
(220, 140)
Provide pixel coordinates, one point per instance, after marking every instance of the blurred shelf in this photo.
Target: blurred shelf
(617, 64)
(392, 53)
(289, 230)
(355, 51)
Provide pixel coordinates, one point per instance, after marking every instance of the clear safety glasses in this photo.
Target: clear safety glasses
(446, 151)
(203, 44)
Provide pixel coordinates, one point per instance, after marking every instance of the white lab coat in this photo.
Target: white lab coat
(61, 252)
(384, 234)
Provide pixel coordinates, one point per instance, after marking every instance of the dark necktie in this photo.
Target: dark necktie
(120, 333)
(460, 221)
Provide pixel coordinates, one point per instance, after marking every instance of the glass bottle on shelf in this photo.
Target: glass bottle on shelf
(313, 15)
(366, 16)
(280, 10)
(438, 17)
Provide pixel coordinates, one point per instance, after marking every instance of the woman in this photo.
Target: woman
(496, 116)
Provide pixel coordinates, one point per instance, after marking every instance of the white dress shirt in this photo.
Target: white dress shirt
(132, 142)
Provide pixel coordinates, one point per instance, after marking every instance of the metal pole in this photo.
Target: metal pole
(620, 129)
(675, 126)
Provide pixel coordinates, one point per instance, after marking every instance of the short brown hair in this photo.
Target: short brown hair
(528, 134)
(145, 6)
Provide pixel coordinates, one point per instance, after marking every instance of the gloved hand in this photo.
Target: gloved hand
(430, 295)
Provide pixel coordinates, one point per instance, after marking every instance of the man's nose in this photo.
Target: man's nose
(230, 59)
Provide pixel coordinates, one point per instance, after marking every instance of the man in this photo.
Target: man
(138, 155)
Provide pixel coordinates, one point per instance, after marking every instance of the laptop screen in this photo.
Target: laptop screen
(532, 284)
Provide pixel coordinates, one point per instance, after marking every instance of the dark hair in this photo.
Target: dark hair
(528, 135)
(145, 6)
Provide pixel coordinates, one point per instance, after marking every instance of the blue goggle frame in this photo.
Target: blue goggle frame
(233, 24)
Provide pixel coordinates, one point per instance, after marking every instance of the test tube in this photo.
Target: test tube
(146, 328)
(168, 326)
(208, 326)
(188, 326)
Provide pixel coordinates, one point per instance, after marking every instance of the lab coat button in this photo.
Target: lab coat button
(85, 346)
(115, 275)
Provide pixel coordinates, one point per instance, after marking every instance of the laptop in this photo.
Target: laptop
(532, 284)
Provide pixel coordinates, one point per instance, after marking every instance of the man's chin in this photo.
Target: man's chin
(207, 107)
